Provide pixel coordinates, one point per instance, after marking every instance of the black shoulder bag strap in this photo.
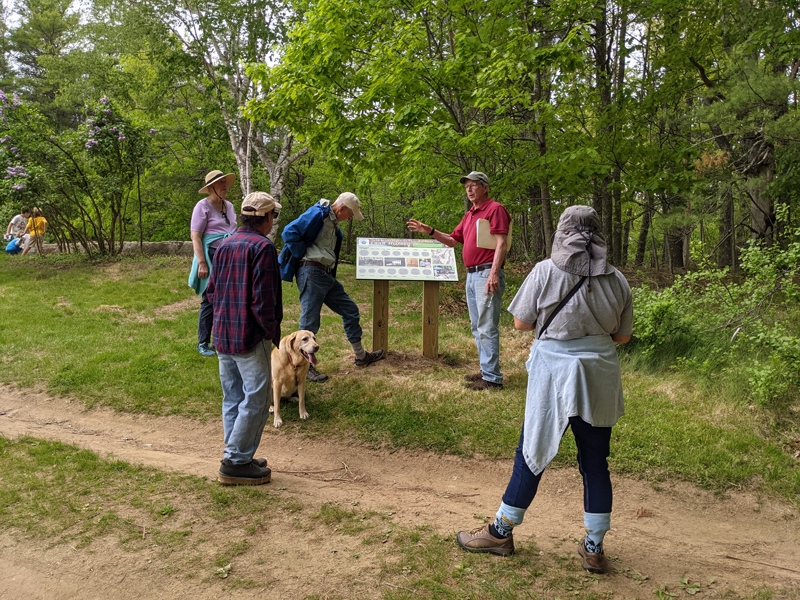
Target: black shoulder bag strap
(561, 305)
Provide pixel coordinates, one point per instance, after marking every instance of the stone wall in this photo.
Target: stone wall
(148, 248)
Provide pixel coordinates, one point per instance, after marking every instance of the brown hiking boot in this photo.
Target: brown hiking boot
(474, 377)
(248, 473)
(594, 562)
(480, 540)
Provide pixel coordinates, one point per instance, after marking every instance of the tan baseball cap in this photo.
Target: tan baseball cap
(351, 201)
(259, 204)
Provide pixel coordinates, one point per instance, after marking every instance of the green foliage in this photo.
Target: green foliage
(711, 322)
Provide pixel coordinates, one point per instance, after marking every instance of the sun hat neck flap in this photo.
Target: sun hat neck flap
(578, 245)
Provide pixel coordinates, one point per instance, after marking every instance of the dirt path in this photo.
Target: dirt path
(676, 532)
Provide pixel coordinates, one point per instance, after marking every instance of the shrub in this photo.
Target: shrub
(712, 322)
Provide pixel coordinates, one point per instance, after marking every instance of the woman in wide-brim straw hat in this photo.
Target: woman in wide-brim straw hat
(580, 307)
(213, 219)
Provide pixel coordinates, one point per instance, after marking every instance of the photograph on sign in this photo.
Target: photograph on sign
(405, 260)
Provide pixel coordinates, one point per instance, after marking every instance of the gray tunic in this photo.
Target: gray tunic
(604, 310)
(574, 369)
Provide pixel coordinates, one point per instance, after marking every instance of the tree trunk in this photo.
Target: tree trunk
(644, 230)
(603, 83)
(674, 250)
(524, 234)
(726, 237)
(542, 94)
(547, 218)
(761, 209)
(277, 169)
(538, 249)
(616, 246)
(626, 238)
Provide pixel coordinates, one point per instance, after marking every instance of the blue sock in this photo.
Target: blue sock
(506, 519)
(596, 526)
(500, 529)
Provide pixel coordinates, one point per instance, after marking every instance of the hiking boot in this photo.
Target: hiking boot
(369, 358)
(594, 562)
(480, 540)
(474, 377)
(205, 350)
(482, 384)
(248, 473)
(315, 376)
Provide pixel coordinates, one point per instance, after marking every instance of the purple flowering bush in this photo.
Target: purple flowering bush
(81, 178)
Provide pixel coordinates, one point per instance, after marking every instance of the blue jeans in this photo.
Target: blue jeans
(246, 397)
(484, 318)
(317, 288)
(593, 450)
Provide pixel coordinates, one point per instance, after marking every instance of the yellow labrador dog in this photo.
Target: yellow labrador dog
(290, 363)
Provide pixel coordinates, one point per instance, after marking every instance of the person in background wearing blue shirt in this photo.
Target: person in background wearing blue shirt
(311, 253)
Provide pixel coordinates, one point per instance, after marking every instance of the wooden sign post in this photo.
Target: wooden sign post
(384, 260)
(380, 315)
(430, 319)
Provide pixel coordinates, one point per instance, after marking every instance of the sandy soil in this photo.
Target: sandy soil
(677, 531)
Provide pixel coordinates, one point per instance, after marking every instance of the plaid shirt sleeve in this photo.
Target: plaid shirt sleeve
(267, 305)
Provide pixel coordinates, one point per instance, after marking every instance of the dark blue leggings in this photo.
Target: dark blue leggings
(593, 450)
(205, 319)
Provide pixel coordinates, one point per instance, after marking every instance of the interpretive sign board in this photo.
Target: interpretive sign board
(391, 259)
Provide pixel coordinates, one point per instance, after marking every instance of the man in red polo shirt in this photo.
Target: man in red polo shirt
(486, 280)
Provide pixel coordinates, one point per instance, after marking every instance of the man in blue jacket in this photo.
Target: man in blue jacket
(311, 255)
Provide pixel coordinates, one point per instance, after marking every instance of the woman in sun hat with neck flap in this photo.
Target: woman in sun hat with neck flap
(580, 307)
(213, 219)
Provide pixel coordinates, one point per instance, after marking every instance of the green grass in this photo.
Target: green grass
(53, 494)
(122, 334)
(67, 495)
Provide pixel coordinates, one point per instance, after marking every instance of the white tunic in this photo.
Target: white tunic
(579, 377)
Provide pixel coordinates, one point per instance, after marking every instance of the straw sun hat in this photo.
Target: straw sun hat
(215, 176)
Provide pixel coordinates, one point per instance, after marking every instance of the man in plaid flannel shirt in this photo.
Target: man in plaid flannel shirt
(245, 290)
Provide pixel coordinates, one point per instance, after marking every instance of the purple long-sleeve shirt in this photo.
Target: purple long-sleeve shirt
(245, 290)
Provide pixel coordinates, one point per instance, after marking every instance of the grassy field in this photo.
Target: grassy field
(122, 334)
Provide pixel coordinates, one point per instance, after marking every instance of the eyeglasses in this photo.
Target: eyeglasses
(473, 186)
(276, 213)
(225, 215)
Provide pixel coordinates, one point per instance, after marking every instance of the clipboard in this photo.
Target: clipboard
(485, 237)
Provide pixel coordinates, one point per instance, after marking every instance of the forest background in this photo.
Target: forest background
(678, 123)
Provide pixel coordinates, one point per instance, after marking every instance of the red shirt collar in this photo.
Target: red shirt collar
(475, 209)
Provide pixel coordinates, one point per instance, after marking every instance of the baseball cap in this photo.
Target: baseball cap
(351, 201)
(476, 176)
(259, 204)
